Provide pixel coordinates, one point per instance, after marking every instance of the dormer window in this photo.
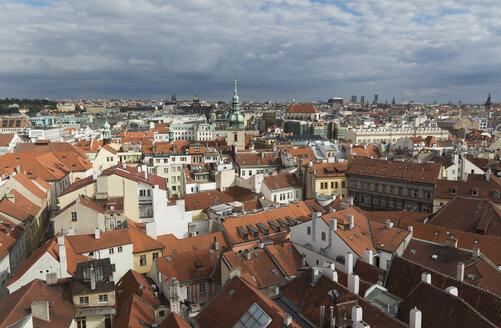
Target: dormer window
(495, 194)
(453, 191)
(474, 192)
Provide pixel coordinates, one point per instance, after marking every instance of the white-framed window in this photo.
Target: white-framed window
(81, 322)
(142, 260)
(103, 298)
(119, 249)
(111, 251)
(73, 216)
(84, 299)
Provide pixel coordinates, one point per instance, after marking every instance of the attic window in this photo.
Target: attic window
(412, 251)
(495, 194)
(434, 256)
(470, 276)
(474, 192)
(475, 241)
(274, 272)
(169, 259)
(436, 233)
(453, 191)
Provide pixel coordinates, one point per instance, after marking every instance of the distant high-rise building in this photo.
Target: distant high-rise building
(376, 99)
(363, 99)
(353, 99)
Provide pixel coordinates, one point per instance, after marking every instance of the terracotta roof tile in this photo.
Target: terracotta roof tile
(415, 172)
(281, 181)
(302, 108)
(324, 170)
(141, 241)
(87, 243)
(173, 245)
(17, 306)
(173, 320)
(206, 199)
(241, 296)
(188, 266)
(134, 283)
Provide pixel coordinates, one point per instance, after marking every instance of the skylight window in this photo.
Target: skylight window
(253, 317)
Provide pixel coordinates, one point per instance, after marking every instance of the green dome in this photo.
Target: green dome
(106, 125)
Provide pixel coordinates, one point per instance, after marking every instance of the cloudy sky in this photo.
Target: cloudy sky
(422, 50)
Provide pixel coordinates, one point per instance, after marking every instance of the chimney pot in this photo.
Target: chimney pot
(460, 271)
(415, 318)
(353, 283)
(426, 277)
(349, 263)
(356, 313)
(97, 233)
(287, 320)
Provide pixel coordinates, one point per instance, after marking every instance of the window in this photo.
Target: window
(81, 322)
(332, 184)
(161, 314)
(111, 251)
(155, 255)
(202, 289)
(142, 260)
(119, 249)
(103, 298)
(308, 230)
(142, 193)
(84, 299)
(73, 216)
(166, 170)
(113, 268)
(323, 236)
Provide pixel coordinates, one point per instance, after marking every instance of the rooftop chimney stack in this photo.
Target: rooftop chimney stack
(315, 275)
(356, 313)
(97, 233)
(248, 255)
(426, 277)
(353, 283)
(92, 278)
(63, 262)
(415, 318)
(287, 320)
(476, 252)
(333, 224)
(368, 256)
(40, 310)
(348, 263)
(351, 220)
(303, 260)
(329, 271)
(389, 224)
(452, 290)
(460, 271)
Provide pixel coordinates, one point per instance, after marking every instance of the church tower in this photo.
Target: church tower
(235, 123)
(106, 133)
(488, 103)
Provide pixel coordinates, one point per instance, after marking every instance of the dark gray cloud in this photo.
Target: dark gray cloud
(279, 50)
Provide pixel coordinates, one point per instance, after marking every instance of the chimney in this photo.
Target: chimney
(348, 264)
(40, 310)
(97, 233)
(452, 290)
(315, 275)
(415, 318)
(248, 255)
(92, 278)
(487, 174)
(368, 256)
(351, 221)
(333, 224)
(216, 245)
(303, 260)
(329, 271)
(322, 315)
(451, 241)
(353, 283)
(63, 262)
(389, 224)
(426, 277)
(476, 253)
(460, 271)
(356, 314)
(287, 320)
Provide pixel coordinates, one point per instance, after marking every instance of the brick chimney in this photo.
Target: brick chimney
(460, 271)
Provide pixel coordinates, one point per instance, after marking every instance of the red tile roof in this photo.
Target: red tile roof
(241, 296)
(173, 245)
(281, 181)
(206, 199)
(188, 266)
(302, 108)
(17, 306)
(407, 171)
(141, 241)
(87, 243)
